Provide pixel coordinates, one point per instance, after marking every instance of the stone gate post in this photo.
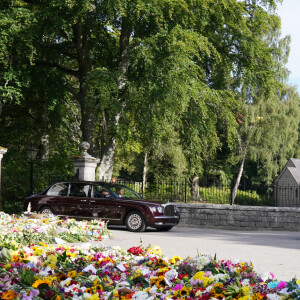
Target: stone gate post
(85, 164)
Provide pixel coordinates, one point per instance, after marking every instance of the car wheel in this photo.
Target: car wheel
(135, 221)
(166, 228)
(46, 210)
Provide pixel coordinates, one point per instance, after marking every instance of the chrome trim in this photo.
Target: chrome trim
(166, 217)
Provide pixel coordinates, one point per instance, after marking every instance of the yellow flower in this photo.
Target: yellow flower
(162, 262)
(51, 261)
(153, 280)
(72, 274)
(206, 280)
(245, 290)
(184, 292)
(155, 250)
(93, 297)
(42, 282)
(160, 281)
(37, 251)
(69, 254)
(216, 291)
(298, 281)
(257, 296)
(97, 287)
(175, 259)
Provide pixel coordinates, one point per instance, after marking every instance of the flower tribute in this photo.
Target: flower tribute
(37, 270)
(27, 229)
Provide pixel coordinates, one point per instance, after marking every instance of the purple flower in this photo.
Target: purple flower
(32, 294)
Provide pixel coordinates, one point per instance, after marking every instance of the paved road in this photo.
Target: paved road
(277, 252)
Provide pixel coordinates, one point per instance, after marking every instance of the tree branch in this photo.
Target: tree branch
(58, 67)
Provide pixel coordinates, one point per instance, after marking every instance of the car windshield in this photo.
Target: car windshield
(124, 192)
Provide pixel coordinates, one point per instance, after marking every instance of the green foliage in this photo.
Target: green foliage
(164, 79)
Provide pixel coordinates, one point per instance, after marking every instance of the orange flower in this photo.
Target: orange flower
(8, 295)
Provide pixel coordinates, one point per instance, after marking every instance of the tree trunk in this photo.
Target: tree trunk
(237, 182)
(108, 138)
(45, 152)
(144, 172)
(107, 160)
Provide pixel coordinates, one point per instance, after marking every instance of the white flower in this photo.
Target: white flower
(90, 268)
(66, 282)
(267, 276)
(141, 295)
(273, 297)
(201, 261)
(170, 275)
(245, 282)
(222, 277)
(46, 272)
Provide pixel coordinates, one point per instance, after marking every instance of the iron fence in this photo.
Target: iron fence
(180, 190)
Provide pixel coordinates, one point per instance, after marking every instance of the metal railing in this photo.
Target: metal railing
(180, 190)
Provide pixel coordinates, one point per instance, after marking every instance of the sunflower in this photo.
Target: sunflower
(89, 291)
(217, 291)
(61, 277)
(10, 294)
(42, 283)
(72, 274)
(98, 287)
(153, 280)
(160, 281)
(175, 259)
(184, 292)
(162, 262)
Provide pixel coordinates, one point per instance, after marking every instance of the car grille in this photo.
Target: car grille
(170, 210)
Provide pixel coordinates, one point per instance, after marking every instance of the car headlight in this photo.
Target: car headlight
(160, 209)
(153, 209)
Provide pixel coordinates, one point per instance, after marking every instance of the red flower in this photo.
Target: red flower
(135, 250)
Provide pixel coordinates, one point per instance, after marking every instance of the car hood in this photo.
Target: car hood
(148, 202)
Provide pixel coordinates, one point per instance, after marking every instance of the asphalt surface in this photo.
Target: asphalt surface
(270, 251)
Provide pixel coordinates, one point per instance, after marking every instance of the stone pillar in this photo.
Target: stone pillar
(2, 152)
(85, 164)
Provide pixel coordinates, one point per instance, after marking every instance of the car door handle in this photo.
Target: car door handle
(83, 200)
(93, 201)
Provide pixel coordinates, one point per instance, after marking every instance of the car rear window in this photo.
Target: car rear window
(58, 189)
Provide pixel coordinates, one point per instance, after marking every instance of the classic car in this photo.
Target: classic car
(117, 204)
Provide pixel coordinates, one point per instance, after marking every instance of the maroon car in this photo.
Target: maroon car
(115, 203)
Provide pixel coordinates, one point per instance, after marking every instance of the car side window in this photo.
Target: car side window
(99, 191)
(79, 190)
(59, 189)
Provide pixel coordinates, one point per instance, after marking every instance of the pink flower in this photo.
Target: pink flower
(177, 287)
(282, 284)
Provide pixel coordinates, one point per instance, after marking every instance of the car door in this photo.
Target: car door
(78, 200)
(57, 198)
(102, 204)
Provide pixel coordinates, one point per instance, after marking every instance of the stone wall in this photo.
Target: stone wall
(239, 217)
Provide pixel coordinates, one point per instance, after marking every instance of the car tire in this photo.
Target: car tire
(166, 228)
(46, 210)
(135, 222)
